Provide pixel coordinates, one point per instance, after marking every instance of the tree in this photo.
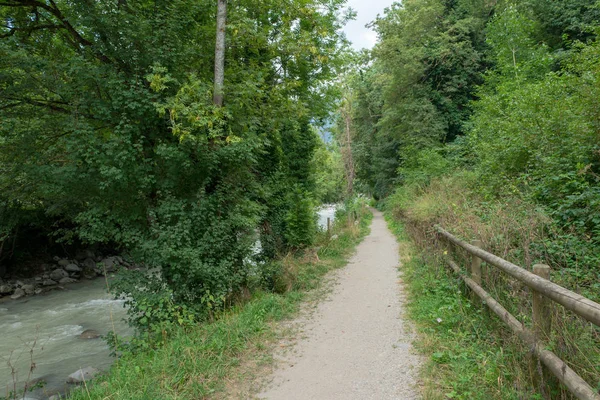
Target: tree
(111, 133)
(220, 53)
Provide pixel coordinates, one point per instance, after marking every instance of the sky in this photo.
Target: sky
(367, 10)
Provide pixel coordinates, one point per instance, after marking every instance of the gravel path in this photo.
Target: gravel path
(356, 344)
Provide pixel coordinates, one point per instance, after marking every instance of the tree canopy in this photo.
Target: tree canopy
(108, 132)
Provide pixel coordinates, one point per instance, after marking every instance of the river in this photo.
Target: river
(50, 324)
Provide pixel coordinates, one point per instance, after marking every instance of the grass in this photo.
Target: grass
(471, 354)
(465, 358)
(210, 360)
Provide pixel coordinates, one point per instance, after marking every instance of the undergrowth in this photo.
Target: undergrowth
(201, 360)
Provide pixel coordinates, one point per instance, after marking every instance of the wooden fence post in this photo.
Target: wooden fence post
(541, 306)
(541, 330)
(476, 264)
(328, 226)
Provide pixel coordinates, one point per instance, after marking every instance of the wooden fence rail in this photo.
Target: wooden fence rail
(539, 282)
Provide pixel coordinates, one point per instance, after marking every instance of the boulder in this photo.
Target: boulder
(58, 274)
(6, 289)
(72, 268)
(66, 280)
(38, 291)
(81, 375)
(89, 273)
(18, 294)
(49, 282)
(29, 289)
(89, 334)
(110, 263)
(64, 262)
(89, 263)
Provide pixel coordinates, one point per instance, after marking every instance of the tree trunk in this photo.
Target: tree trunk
(347, 148)
(220, 53)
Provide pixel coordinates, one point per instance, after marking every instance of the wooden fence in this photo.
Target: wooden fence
(543, 289)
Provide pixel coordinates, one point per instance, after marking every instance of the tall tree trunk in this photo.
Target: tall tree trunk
(347, 148)
(220, 53)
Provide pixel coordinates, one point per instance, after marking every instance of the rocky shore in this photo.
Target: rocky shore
(64, 271)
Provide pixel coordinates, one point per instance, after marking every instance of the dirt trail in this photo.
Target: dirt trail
(356, 344)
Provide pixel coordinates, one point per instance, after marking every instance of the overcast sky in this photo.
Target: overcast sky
(367, 10)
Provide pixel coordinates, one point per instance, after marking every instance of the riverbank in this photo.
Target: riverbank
(61, 272)
(211, 359)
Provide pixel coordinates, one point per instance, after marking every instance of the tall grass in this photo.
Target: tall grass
(470, 345)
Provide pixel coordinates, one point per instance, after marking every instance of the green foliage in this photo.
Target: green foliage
(300, 219)
(108, 134)
(329, 173)
(417, 90)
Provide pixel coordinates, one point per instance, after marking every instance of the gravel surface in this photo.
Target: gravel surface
(356, 345)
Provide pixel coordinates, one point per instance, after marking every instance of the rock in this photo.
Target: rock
(84, 374)
(89, 263)
(6, 289)
(64, 262)
(334, 237)
(72, 268)
(38, 291)
(110, 263)
(38, 278)
(89, 334)
(29, 289)
(49, 282)
(58, 274)
(89, 273)
(66, 280)
(18, 294)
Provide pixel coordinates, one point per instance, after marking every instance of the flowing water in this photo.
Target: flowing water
(49, 325)
(324, 212)
(44, 330)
